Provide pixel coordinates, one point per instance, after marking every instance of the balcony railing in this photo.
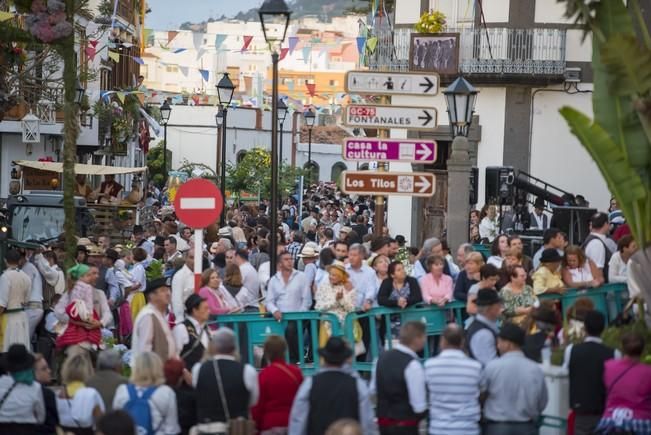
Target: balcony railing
(539, 52)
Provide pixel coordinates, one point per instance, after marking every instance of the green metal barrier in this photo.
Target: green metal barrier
(258, 327)
(608, 299)
(435, 319)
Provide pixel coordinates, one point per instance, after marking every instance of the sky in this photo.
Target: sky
(169, 14)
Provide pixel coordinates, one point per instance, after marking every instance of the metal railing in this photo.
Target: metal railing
(491, 51)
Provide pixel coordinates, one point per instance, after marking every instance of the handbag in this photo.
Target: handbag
(236, 426)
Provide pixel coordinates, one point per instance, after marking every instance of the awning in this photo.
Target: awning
(79, 168)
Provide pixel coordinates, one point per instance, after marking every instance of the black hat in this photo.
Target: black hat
(546, 315)
(487, 296)
(192, 302)
(550, 255)
(138, 229)
(157, 283)
(512, 333)
(18, 359)
(336, 351)
(539, 203)
(400, 239)
(112, 254)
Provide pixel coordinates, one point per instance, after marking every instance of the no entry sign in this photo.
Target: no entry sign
(198, 203)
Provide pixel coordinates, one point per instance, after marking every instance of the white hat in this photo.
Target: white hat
(308, 252)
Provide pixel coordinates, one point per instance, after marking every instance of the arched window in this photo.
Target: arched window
(336, 171)
(240, 156)
(313, 172)
(363, 167)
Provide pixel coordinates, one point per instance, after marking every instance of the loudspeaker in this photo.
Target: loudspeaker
(474, 185)
(499, 188)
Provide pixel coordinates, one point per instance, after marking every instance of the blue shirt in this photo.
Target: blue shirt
(364, 282)
(112, 284)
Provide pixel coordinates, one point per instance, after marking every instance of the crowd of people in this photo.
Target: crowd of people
(134, 304)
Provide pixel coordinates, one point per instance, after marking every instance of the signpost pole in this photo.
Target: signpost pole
(198, 258)
(378, 225)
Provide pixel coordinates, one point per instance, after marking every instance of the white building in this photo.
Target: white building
(521, 70)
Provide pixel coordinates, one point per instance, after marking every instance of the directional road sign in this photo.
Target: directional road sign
(371, 116)
(389, 150)
(387, 83)
(198, 203)
(388, 183)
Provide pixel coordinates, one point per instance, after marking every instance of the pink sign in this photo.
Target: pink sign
(389, 150)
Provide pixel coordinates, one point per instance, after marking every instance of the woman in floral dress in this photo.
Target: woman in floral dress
(519, 298)
(335, 295)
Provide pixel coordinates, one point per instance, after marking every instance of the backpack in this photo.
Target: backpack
(138, 408)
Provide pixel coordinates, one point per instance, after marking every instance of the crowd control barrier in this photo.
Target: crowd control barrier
(252, 329)
(609, 299)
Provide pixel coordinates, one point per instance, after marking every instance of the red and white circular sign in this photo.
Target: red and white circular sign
(198, 203)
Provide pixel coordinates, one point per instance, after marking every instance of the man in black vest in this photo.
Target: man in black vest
(226, 389)
(585, 362)
(399, 381)
(482, 332)
(191, 335)
(597, 246)
(334, 393)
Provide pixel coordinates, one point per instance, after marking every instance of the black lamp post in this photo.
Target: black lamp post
(282, 114)
(309, 118)
(165, 112)
(225, 90)
(460, 97)
(274, 18)
(80, 91)
(219, 121)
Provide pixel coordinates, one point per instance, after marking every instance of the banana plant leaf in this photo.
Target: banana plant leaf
(628, 64)
(622, 179)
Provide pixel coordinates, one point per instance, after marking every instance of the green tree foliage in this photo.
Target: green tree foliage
(155, 164)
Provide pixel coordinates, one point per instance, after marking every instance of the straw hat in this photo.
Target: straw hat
(308, 252)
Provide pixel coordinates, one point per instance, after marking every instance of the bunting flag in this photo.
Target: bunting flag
(283, 53)
(177, 99)
(121, 97)
(195, 98)
(147, 34)
(293, 40)
(307, 50)
(200, 53)
(197, 40)
(90, 52)
(219, 40)
(114, 55)
(205, 74)
(247, 42)
(163, 47)
(179, 50)
(4, 16)
(371, 44)
(184, 70)
(361, 42)
(138, 60)
(93, 43)
(311, 88)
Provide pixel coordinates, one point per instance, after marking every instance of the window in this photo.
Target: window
(333, 82)
(337, 169)
(172, 69)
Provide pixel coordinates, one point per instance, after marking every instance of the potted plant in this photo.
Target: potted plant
(431, 22)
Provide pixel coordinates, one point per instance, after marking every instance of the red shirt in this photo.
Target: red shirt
(279, 383)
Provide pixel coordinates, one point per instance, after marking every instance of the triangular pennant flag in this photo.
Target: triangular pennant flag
(163, 47)
(138, 60)
(200, 53)
(93, 43)
(283, 53)
(179, 50)
(205, 74)
(147, 34)
(361, 42)
(121, 96)
(195, 98)
(311, 88)
(115, 56)
(307, 50)
(111, 45)
(219, 40)
(4, 16)
(197, 40)
(247, 42)
(293, 40)
(184, 70)
(371, 43)
(90, 52)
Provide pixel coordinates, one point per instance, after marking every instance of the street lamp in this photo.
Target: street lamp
(282, 114)
(309, 118)
(460, 98)
(274, 19)
(79, 92)
(165, 112)
(225, 90)
(219, 121)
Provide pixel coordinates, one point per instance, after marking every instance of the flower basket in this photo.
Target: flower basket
(431, 22)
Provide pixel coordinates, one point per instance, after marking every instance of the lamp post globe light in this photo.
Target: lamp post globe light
(282, 115)
(460, 98)
(309, 117)
(225, 90)
(165, 112)
(274, 19)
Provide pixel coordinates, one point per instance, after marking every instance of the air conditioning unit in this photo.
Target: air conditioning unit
(572, 75)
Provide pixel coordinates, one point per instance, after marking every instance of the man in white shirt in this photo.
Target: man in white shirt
(364, 281)
(151, 331)
(182, 286)
(46, 263)
(34, 308)
(250, 280)
(596, 246)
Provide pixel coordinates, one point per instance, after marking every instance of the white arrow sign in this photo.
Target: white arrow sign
(388, 83)
(409, 118)
(422, 184)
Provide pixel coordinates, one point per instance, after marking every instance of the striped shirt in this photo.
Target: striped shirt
(453, 382)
